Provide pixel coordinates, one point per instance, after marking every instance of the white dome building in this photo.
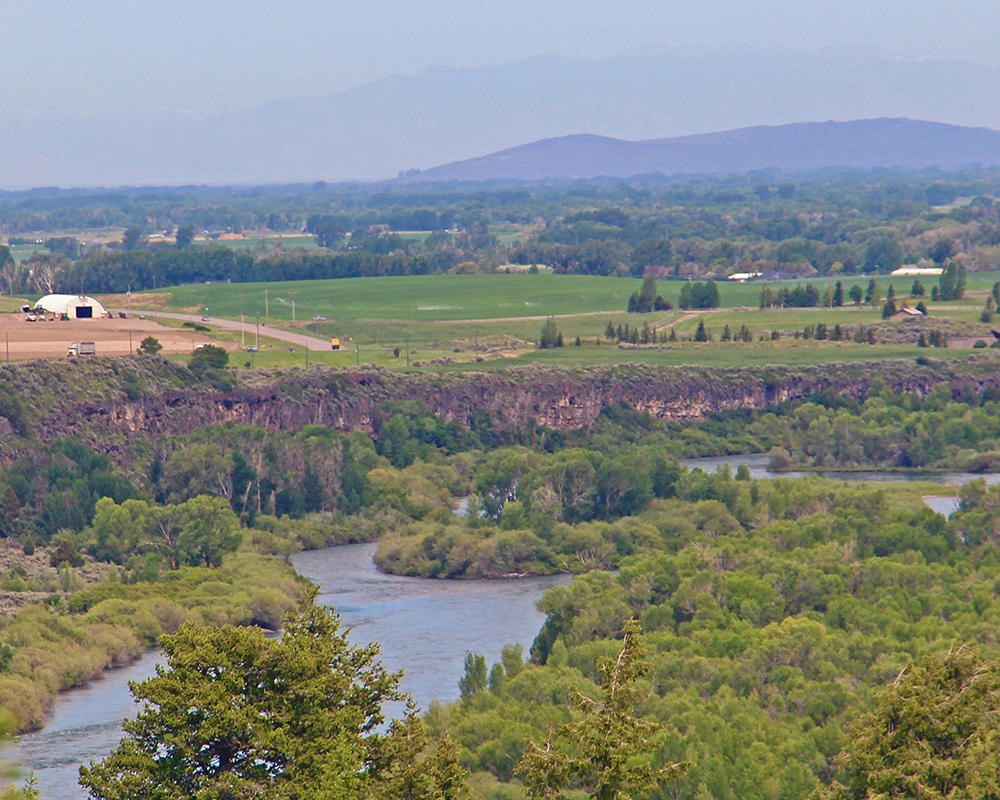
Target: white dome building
(74, 306)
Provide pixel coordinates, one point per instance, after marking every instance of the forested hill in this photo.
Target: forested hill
(104, 402)
(859, 144)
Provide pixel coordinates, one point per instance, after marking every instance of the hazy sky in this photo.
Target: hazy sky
(100, 56)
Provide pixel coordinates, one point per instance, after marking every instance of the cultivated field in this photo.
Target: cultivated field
(493, 321)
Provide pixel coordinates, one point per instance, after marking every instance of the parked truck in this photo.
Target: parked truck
(82, 349)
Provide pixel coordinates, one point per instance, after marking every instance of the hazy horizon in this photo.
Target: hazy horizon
(113, 59)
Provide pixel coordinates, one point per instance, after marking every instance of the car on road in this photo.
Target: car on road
(252, 348)
(204, 319)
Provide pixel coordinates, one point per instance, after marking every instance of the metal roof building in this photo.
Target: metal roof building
(74, 306)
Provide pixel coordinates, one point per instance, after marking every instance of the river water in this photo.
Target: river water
(757, 466)
(424, 627)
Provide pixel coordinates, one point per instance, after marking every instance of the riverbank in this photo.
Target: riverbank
(45, 650)
(423, 628)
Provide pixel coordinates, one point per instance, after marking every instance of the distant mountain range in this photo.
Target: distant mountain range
(443, 115)
(861, 144)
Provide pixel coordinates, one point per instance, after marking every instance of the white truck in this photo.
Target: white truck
(82, 349)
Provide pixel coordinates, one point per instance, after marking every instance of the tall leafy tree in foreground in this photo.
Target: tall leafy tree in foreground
(602, 751)
(934, 734)
(237, 715)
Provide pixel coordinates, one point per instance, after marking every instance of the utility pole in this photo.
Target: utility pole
(243, 341)
(267, 312)
(257, 343)
(292, 295)
(130, 342)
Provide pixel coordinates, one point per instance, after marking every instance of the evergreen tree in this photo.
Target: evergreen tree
(838, 295)
(685, 298)
(235, 714)
(550, 335)
(647, 294)
(932, 734)
(917, 290)
(607, 743)
(701, 334)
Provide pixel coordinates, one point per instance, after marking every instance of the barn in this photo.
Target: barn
(74, 306)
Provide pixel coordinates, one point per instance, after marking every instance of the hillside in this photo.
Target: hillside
(859, 144)
(446, 114)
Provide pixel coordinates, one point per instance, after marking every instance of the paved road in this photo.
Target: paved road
(292, 337)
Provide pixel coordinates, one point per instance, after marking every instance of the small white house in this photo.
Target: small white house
(74, 306)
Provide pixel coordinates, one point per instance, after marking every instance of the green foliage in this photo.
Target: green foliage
(198, 531)
(704, 294)
(474, 679)
(931, 734)
(60, 485)
(236, 714)
(109, 624)
(150, 346)
(550, 336)
(606, 742)
(208, 357)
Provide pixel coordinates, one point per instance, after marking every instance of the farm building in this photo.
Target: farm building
(74, 306)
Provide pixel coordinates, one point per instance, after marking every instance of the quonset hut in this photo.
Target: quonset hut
(74, 306)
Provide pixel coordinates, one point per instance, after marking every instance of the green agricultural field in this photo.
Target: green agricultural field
(266, 242)
(494, 320)
(425, 297)
(22, 252)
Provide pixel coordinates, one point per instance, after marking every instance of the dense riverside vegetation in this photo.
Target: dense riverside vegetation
(772, 610)
(764, 636)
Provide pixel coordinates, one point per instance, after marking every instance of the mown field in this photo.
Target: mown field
(495, 320)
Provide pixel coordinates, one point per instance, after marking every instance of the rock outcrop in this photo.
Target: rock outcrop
(348, 400)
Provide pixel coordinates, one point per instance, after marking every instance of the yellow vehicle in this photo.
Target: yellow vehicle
(334, 344)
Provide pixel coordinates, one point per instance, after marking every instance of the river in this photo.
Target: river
(424, 627)
(756, 463)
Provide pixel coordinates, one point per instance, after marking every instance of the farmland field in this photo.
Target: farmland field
(494, 320)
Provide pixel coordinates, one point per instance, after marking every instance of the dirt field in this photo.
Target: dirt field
(21, 340)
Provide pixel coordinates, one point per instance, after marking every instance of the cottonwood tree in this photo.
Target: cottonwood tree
(605, 745)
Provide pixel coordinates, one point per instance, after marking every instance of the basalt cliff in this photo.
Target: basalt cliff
(106, 403)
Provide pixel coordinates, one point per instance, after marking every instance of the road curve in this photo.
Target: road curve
(293, 338)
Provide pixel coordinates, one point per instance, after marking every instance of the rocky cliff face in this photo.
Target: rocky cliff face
(347, 400)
